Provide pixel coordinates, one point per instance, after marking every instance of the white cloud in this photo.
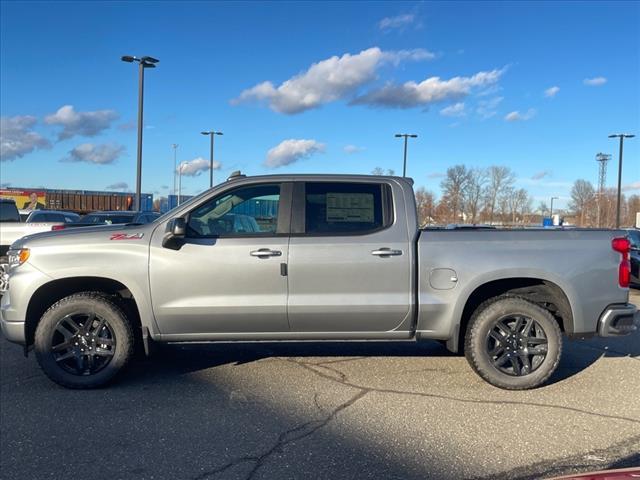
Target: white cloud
(118, 186)
(631, 186)
(327, 81)
(516, 116)
(17, 139)
(431, 90)
(551, 91)
(292, 150)
(97, 154)
(350, 149)
(488, 108)
(541, 175)
(193, 168)
(88, 124)
(595, 81)
(455, 110)
(399, 21)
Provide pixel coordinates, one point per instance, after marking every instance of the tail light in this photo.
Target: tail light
(57, 227)
(622, 245)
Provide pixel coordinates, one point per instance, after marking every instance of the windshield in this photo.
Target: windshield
(106, 219)
(9, 212)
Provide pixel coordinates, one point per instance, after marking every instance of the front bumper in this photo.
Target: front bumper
(618, 320)
(12, 327)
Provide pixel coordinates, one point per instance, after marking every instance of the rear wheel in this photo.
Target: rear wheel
(83, 341)
(513, 343)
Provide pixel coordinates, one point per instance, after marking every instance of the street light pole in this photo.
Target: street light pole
(404, 163)
(144, 62)
(622, 136)
(551, 209)
(212, 134)
(179, 183)
(175, 167)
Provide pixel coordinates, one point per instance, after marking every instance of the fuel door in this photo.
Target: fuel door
(443, 278)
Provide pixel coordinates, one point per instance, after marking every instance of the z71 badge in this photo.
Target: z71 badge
(125, 236)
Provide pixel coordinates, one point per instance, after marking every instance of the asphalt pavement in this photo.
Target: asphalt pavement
(322, 411)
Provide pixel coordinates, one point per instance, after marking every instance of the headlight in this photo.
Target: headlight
(18, 257)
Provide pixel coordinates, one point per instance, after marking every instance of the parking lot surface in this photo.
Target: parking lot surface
(316, 411)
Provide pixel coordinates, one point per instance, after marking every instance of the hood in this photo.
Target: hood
(86, 235)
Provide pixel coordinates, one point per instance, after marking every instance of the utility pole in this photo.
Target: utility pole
(406, 136)
(212, 134)
(144, 62)
(621, 136)
(551, 209)
(180, 183)
(602, 159)
(175, 167)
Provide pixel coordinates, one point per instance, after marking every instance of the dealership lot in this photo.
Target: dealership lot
(335, 410)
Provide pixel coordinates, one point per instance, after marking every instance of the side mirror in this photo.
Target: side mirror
(178, 227)
(176, 231)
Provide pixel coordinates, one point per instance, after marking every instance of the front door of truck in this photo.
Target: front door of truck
(226, 276)
(350, 259)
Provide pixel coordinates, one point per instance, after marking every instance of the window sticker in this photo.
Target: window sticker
(350, 207)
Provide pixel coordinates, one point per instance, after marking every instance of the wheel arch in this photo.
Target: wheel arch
(49, 293)
(543, 292)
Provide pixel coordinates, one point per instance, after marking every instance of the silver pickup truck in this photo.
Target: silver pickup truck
(324, 257)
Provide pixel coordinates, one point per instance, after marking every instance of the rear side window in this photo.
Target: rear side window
(346, 208)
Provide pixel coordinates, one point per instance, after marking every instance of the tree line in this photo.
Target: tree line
(489, 195)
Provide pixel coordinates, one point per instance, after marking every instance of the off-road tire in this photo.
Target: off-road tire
(79, 303)
(486, 318)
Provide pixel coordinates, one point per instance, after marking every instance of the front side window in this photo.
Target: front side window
(250, 210)
(345, 208)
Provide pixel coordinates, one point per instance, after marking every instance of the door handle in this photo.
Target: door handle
(386, 252)
(265, 252)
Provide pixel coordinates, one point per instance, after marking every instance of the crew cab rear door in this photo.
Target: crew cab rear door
(350, 259)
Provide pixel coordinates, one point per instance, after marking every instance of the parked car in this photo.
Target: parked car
(634, 238)
(112, 218)
(335, 257)
(53, 216)
(11, 229)
(8, 211)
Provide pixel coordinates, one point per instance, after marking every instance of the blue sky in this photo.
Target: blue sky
(452, 72)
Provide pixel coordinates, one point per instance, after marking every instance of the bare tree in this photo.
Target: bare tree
(425, 203)
(633, 208)
(476, 182)
(380, 171)
(522, 205)
(499, 180)
(543, 208)
(582, 196)
(453, 187)
(504, 203)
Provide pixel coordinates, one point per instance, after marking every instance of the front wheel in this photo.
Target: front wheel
(513, 343)
(83, 341)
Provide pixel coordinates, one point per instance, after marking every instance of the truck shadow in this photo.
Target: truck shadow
(578, 355)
